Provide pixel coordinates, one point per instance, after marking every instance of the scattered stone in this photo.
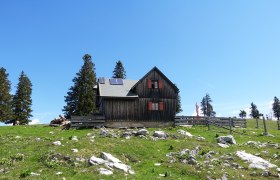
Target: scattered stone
(157, 164)
(200, 138)
(107, 133)
(278, 170)
(34, 174)
(96, 161)
(104, 132)
(160, 134)
(268, 135)
(142, 132)
(38, 139)
(80, 159)
(256, 162)
(17, 137)
(226, 139)
(109, 157)
(75, 150)
(58, 173)
(224, 177)
(51, 132)
(252, 143)
(74, 138)
(162, 175)
(223, 145)
(195, 151)
(122, 166)
(185, 133)
(192, 161)
(105, 171)
(266, 173)
(57, 143)
(67, 158)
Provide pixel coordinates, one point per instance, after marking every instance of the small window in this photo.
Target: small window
(154, 84)
(155, 106)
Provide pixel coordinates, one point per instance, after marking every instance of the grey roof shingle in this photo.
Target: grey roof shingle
(108, 90)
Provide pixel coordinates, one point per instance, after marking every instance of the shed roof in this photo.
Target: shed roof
(120, 91)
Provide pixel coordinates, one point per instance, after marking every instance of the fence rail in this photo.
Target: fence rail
(218, 121)
(87, 121)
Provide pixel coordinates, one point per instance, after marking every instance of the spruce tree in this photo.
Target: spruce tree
(254, 111)
(6, 113)
(178, 104)
(206, 106)
(242, 114)
(119, 71)
(81, 97)
(22, 101)
(276, 107)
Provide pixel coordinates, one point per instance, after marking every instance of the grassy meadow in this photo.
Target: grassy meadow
(26, 149)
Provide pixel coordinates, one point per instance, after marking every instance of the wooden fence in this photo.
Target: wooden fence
(87, 121)
(217, 121)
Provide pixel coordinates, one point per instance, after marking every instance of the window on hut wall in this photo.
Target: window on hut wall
(155, 84)
(155, 106)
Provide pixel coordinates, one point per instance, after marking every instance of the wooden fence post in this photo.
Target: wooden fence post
(264, 125)
(257, 120)
(208, 123)
(230, 125)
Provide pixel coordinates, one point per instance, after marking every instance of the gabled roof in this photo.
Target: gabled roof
(119, 91)
(156, 69)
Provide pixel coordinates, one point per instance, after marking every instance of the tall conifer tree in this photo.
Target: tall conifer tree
(22, 101)
(206, 106)
(254, 111)
(276, 107)
(119, 71)
(81, 97)
(178, 104)
(6, 113)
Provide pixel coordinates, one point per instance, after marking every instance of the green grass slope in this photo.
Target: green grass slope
(26, 149)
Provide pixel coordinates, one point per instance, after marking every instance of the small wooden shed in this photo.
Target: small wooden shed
(148, 102)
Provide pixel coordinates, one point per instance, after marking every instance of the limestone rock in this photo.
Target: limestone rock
(109, 157)
(160, 134)
(57, 143)
(142, 132)
(223, 145)
(185, 133)
(255, 161)
(226, 139)
(74, 138)
(96, 161)
(105, 171)
(75, 150)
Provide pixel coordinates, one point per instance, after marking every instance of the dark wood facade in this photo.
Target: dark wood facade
(156, 101)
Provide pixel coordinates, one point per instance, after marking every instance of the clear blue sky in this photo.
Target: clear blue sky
(229, 49)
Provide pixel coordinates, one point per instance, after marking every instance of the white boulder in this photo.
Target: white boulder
(109, 157)
(57, 143)
(255, 161)
(185, 133)
(226, 139)
(105, 171)
(223, 145)
(142, 132)
(96, 161)
(160, 134)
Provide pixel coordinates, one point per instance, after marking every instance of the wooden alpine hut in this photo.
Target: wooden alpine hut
(148, 102)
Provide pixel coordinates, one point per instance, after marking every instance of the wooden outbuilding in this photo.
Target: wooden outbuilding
(148, 102)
